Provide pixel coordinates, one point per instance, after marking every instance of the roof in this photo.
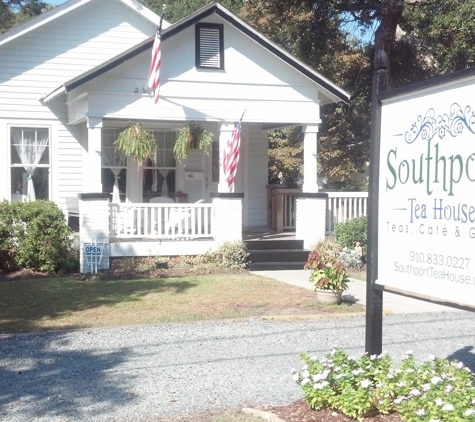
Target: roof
(332, 91)
(68, 7)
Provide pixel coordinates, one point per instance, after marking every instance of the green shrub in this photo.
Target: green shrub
(37, 237)
(352, 231)
(433, 390)
(7, 246)
(228, 255)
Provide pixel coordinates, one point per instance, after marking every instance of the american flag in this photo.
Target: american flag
(231, 156)
(154, 74)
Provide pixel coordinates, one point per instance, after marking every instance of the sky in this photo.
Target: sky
(55, 2)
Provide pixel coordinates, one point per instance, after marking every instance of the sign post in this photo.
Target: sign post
(93, 252)
(374, 297)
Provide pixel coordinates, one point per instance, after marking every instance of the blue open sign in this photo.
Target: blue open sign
(93, 249)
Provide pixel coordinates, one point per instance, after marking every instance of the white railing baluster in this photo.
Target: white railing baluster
(342, 206)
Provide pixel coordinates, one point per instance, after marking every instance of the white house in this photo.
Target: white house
(73, 77)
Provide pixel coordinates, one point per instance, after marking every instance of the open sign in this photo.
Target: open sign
(93, 249)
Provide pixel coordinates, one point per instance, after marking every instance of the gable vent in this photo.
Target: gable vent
(209, 46)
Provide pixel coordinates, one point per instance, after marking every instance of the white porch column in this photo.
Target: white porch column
(94, 226)
(224, 135)
(92, 163)
(227, 225)
(311, 218)
(310, 159)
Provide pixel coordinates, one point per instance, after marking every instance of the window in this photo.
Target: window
(114, 166)
(209, 46)
(30, 163)
(159, 173)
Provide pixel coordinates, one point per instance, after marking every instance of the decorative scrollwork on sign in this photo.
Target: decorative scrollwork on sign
(430, 125)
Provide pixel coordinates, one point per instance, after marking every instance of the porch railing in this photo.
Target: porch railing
(281, 208)
(161, 221)
(342, 206)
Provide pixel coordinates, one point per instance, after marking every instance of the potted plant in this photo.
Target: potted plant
(191, 136)
(136, 140)
(328, 274)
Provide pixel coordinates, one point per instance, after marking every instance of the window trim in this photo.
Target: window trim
(49, 166)
(220, 28)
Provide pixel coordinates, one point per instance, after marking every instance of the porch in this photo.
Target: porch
(144, 229)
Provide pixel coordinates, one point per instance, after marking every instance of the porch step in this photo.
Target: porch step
(274, 244)
(275, 266)
(265, 255)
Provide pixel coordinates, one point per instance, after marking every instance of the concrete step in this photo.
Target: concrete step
(278, 255)
(275, 266)
(273, 244)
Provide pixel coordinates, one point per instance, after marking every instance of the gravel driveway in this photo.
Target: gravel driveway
(160, 371)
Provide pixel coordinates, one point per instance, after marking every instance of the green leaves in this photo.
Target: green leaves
(436, 389)
(137, 141)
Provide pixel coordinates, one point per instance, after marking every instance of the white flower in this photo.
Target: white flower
(469, 412)
(305, 381)
(379, 385)
(439, 402)
(305, 374)
(434, 420)
(421, 412)
(430, 358)
(295, 377)
(325, 373)
(426, 387)
(398, 400)
(449, 388)
(409, 370)
(334, 414)
(317, 377)
(402, 384)
(435, 380)
(449, 407)
(365, 383)
(318, 386)
(373, 357)
(409, 352)
(415, 392)
(473, 401)
(458, 365)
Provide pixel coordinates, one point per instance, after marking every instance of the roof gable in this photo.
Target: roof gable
(68, 7)
(330, 90)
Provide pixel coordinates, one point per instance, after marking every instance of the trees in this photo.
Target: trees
(15, 12)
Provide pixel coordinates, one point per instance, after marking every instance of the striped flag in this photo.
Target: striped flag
(154, 74)
(231, 156)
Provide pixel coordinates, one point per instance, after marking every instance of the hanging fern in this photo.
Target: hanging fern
(136, 140)
(192, 135)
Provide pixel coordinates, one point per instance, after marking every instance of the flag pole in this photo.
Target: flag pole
(156, 45)
(240, 120)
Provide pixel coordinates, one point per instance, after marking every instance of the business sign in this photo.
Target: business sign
(426, 225)
(91, 249)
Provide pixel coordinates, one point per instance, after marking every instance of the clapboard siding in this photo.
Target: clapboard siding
(41, 60)
(255, 178)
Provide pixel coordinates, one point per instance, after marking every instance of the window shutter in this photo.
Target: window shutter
(209, 46)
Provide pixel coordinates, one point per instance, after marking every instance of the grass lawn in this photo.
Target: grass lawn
(64, 303)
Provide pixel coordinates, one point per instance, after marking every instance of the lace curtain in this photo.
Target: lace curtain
(116, 161)
(30, 151)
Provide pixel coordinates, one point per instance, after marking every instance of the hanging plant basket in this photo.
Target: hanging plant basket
(137, 141)
(191, 136)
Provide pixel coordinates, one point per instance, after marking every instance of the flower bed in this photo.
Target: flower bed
(434, 390)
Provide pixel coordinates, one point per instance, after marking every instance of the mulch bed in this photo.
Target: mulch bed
(300, 411)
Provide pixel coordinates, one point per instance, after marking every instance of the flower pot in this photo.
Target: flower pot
(328, 297)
